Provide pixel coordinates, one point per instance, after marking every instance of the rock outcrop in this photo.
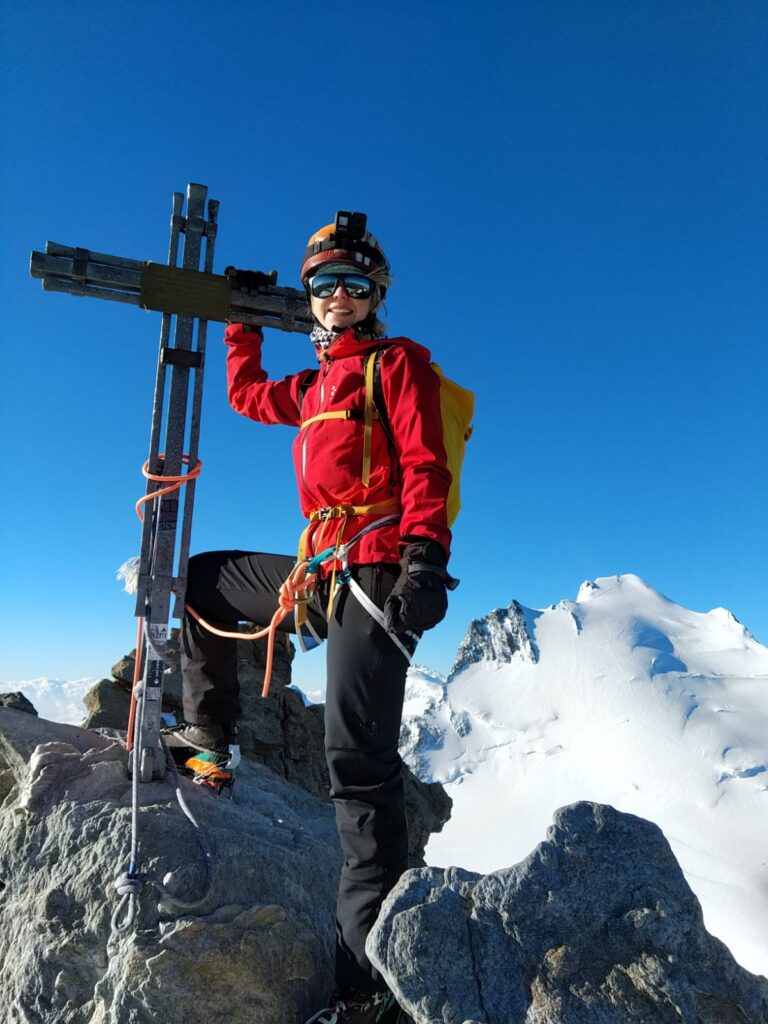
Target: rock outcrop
(107, 703)
(502, 635)
(597, 925)
(258, 949)
(281, 732)
(17, 702)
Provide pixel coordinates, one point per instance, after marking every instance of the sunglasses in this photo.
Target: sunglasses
(356, 286)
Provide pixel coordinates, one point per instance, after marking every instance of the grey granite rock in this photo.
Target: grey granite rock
(596, 926)
(17, 702)
(107, 705)
(258, 949)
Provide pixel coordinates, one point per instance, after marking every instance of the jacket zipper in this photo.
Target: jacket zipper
(324, 374)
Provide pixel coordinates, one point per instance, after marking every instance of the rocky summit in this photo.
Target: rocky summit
(258, 948)
(596, 926)
(253, 947)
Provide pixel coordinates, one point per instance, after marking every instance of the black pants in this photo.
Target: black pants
(363, 709)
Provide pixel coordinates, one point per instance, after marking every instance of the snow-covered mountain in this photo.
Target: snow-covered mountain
(620, 697)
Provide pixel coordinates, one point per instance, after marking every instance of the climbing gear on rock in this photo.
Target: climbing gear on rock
(209, 754)
(378, 1008)
(131, 882)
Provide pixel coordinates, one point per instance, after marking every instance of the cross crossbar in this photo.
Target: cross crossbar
(167, 289)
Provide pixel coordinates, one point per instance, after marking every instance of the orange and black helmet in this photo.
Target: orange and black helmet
(346, 242)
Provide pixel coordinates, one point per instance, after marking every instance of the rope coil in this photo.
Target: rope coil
(295, 591)
(175, 483)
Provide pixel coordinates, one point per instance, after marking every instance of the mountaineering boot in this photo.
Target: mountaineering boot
(378, 1008)
(209, 753)
(214, 739)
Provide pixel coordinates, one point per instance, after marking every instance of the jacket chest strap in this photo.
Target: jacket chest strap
(338, 414)
(368, 415)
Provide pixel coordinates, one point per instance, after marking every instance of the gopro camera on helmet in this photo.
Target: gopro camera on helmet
(349, 227)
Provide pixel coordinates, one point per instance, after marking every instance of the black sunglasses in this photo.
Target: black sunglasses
(356, 286)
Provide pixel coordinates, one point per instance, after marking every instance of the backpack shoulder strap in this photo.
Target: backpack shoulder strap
(309, 379)
(377, 395)
(375, 409)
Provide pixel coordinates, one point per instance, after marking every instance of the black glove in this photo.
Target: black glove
(251, 280)
(418, 600)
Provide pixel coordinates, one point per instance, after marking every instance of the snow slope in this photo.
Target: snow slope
(621, 697)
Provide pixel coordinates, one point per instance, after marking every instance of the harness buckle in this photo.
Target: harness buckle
(330, 512)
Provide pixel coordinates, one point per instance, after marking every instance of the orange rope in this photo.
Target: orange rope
(175, 482)
(296, 590)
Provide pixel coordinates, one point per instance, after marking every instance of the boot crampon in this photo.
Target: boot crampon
(208, 754)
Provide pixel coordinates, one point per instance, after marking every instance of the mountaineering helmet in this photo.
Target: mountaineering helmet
(346, 245)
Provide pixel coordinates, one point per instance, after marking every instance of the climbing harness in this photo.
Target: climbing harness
(301, 585)
(340, 552)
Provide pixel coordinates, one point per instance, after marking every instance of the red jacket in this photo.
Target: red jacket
(328, 454)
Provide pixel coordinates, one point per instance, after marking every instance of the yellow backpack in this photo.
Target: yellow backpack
(457, 406)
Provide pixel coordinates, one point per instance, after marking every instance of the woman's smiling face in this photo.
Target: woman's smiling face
(339, 311)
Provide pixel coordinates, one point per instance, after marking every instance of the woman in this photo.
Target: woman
(375, 495)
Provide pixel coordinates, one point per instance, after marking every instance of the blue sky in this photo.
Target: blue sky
(572, 196)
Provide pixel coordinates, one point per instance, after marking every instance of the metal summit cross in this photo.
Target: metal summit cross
(193, 297)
